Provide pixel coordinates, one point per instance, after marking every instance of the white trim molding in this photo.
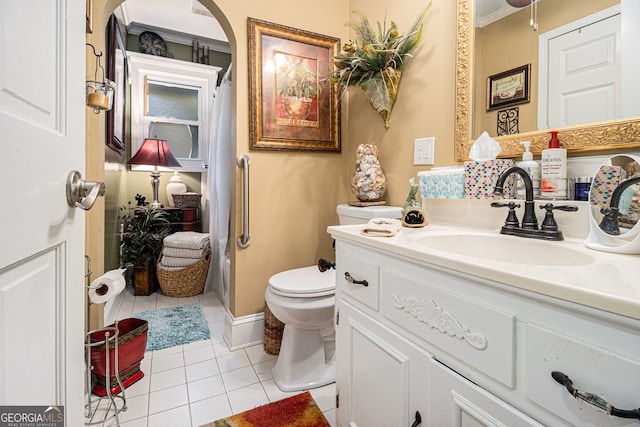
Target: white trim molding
(245, 331)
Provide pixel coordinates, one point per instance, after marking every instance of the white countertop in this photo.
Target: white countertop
(605, 281)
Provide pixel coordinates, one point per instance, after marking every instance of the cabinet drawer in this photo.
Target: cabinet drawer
(359, 269)
(613, 377)
(481, 336)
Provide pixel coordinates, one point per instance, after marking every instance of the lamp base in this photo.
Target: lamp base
(155, 184)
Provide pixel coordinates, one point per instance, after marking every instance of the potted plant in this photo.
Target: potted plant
(144, 229)
(374, 61)
(297, 86)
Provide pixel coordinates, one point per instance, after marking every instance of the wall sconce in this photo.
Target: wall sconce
(99, 92)
(154, 152)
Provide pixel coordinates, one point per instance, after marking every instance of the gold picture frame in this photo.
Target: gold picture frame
(89, 15)
(293, 105)
(620, 134)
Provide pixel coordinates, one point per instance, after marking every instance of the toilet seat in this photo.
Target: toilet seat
(305, 282)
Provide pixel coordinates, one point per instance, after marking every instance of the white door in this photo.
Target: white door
(42, 122)
(583, 74)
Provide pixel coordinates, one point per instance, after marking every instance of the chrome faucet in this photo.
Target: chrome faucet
(529, 227)
(609, 223)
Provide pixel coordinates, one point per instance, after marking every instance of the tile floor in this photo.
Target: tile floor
(196, 383)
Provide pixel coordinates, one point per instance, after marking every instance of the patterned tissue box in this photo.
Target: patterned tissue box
(481, 176)
(605, 181)
(442, 184)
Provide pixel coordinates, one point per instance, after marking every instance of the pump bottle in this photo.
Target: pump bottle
(532, 168)
(554, 170)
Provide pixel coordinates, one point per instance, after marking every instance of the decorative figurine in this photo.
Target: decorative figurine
(412, 213)
(368, 183)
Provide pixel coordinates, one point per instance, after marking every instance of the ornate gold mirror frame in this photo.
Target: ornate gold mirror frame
(602, 136)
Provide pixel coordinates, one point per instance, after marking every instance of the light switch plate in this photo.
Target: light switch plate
(424, 151)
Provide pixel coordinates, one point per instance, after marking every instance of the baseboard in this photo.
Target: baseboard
(245, 331)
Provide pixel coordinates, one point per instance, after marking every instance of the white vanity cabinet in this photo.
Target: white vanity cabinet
(467, 351)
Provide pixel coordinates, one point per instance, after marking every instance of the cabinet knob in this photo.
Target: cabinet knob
(350, 279)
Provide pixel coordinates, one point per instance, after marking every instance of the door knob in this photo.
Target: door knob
(82, 194)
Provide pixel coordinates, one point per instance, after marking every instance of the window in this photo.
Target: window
(172, 100)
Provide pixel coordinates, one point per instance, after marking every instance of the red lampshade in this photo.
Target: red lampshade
(154, 152)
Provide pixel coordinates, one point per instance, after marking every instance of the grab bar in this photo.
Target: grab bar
(244, 161)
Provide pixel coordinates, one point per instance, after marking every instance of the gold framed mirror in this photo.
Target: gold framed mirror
(601, 136)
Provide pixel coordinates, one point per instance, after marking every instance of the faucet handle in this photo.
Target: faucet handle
(549, 222)
(512, 219)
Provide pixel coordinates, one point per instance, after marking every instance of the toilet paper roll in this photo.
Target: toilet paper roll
(107, 286)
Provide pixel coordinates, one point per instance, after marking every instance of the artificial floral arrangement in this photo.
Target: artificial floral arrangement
(374, 60)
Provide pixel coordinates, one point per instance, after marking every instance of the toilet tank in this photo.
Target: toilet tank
(362, 214)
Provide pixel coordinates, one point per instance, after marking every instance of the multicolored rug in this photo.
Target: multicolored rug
(295, 411)
(173, 326)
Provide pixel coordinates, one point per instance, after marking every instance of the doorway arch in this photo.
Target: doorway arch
(95, 138)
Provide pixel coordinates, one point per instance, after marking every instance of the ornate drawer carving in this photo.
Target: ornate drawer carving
(481, 336)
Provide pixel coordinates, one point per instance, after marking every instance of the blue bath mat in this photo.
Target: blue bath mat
(173, 326)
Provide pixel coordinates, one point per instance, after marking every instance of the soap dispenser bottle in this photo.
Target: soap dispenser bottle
(533, 170)
(554, 170)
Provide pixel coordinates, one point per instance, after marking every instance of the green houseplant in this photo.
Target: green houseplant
(144, 229)
(297, 86)
(375, 59)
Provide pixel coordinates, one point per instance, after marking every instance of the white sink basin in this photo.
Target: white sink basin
(501, 248)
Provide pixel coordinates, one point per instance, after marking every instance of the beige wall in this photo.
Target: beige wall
(294, 194)
(510, 43)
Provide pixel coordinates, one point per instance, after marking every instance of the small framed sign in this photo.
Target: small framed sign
(509, 87)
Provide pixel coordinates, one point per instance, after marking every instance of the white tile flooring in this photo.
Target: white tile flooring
(200, 382)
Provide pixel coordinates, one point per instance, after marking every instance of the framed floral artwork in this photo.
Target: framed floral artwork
(293, 105)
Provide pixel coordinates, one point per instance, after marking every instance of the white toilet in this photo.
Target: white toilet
(304, 300)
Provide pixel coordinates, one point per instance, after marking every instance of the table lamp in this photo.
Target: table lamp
(154, 152)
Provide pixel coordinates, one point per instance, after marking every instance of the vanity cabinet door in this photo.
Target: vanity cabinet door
(457, 402)
(381, 378)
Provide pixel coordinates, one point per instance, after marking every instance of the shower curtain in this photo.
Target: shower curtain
(221, 151)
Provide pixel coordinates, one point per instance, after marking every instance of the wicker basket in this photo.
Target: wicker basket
(191, 200)
(186, 282)
(273, 330)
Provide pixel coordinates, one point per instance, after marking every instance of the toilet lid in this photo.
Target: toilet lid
(304, 282)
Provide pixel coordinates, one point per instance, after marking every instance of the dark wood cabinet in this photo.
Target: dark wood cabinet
(183, 219)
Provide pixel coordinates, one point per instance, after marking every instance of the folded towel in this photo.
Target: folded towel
(169, 261)
(182, 253)
(384, 227)
(187, 240)
(166, 268)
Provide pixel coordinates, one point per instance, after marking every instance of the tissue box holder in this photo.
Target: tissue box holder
(439, 185)
(481, 176)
